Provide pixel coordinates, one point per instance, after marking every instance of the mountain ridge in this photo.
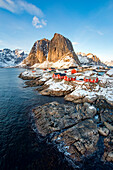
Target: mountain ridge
(11, 58)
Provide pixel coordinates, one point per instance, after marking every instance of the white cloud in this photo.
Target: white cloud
(37, 23)
(94, 30)
(20, 6)
(44, 22)
(30, 8)
(99, 32)
(75, 43)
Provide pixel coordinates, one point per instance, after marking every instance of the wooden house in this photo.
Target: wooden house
(69, 78)
(94, 80)
(33, 71)
(91, 79)
(73, 71)
(58, 75)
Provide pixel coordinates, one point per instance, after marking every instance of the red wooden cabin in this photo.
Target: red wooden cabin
(73, 78)
(87, 79)
(91, 79)
(69, 78)
(73, 71)
(33, 71)
(94, 80)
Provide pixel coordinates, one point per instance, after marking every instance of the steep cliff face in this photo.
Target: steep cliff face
(61, 47)
(38, 53)
(53, 50)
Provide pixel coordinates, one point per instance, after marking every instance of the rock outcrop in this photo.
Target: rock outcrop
(52, 50)
(73, 126)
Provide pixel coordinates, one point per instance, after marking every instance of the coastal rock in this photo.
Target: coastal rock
(34, 83)
(108, 151)
(49, 92)
(26, 77)
(103, 131)
(106, 115)
(75, 128)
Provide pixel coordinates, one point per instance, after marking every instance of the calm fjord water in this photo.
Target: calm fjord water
(20, 147)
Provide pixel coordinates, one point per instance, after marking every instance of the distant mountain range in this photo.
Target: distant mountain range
(57, 52)
(109, 63)
(9, 58)
(89, 59)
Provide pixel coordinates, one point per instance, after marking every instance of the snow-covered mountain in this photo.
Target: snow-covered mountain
(109, 63)
(89, 59)
(9, 58)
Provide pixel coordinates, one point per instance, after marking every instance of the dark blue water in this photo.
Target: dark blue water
(20, 146)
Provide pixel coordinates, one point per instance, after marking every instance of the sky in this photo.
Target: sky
(88, 24)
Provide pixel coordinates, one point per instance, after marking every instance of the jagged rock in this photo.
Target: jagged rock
(108, 151)
(103, 131)
(49, 92)
(58, 47)
(106, 115)
(80, 133)
(109, 126)
(83, 137)
(34, 83)
(26, 77)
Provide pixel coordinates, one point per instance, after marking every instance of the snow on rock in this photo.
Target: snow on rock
(57, 86)
(65, 62)
(83, 59)
(110, 72)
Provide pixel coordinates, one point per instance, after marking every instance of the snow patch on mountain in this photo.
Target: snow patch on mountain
(9, 58)
(65, 62)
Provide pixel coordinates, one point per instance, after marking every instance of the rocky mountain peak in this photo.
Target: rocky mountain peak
(52, 50)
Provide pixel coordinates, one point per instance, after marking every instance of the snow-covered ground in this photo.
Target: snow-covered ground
(81, 89)
(65, 62)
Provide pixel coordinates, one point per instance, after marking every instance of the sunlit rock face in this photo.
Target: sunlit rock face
(52, 50)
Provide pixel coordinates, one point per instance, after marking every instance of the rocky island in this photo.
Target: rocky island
(85, 121)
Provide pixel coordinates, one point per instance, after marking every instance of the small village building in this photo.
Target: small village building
(33, 71)
(91, 79)
(73, 71)
(61, 76)
(87, 78)
(94, 80)
(69, 78)
(58, 75)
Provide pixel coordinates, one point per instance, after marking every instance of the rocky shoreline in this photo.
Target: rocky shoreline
(75, 127)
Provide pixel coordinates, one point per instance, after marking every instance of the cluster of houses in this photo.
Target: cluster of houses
(62, 74)
(70, 74)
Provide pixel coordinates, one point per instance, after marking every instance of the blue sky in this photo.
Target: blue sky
(88, 24)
